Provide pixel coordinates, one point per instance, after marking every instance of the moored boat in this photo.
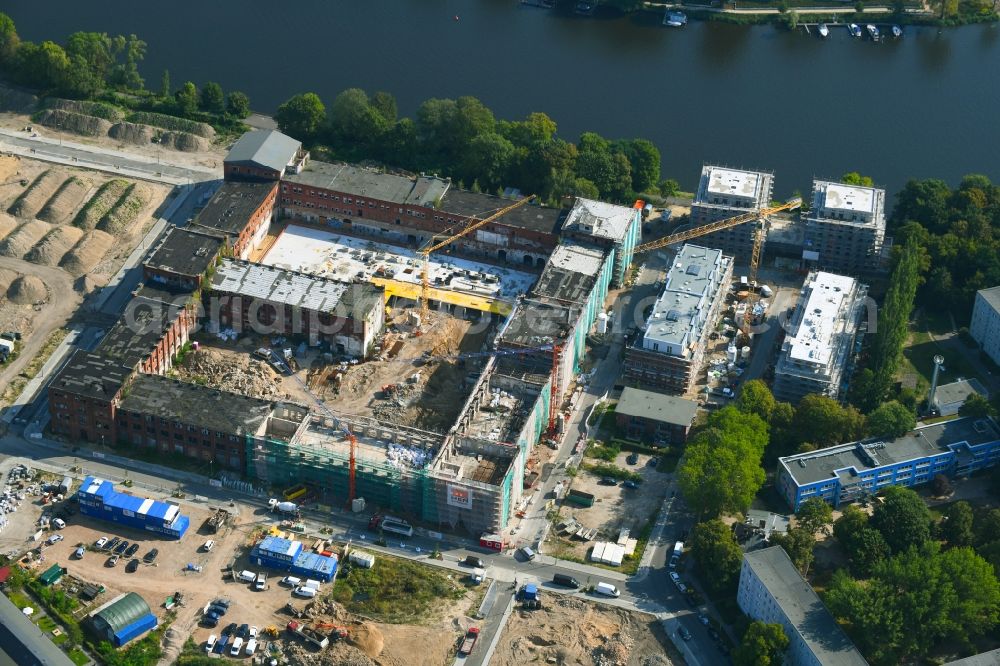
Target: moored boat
(675, 19)
(855, 29)
(824, 31)
(872, 31)
(897, 32)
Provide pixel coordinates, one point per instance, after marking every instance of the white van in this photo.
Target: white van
(527, 554)
(291, 581)
(608, 590)
(251, 646)
(314, 584)
(237, 646)
(59, 523)
(208, 546)
(210, 643)
(307, 592)
(260, 582)
(247, 576)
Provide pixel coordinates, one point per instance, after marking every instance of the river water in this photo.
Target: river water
(926, 105)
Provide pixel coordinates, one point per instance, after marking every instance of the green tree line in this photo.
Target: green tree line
(463, 139)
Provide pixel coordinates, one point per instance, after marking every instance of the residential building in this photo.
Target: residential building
(772, 590)
(23, 643)
(183, 257)
(270, 300)
(264, 155)
(240, 213)
(669, 353)
(949, 398)
(849, 472)
(845, 227)
(820, 337)
(985, 326)
(724, 193)
(615, 228)
(654, 417)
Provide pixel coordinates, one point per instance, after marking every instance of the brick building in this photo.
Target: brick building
(239, 212)
(182, 258)
(266, 299)
(264, 155)
(655, 417)
(84, 395)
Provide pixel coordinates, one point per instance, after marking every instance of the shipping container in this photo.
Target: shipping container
(286, 555)
(580, 498)
(99, 499)
(362, 559)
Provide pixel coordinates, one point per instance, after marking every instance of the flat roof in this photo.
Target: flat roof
(185, 251)
(359, 181)
(23, 643)
(345, 258)
(868, 454)
(232, 206)
(536, 323)
(827, 298)
(958, 391)
(570, 273)
(803, 608)
(991, 296)
(140, 328)
(732, 182)
(656, 406)
(195, 405)
(92, 374)
(692, 282)
(285, 287)
(600, 219)
(534, 217)
(854, 198)
(268, 148)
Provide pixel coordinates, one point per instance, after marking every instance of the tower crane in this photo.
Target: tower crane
(757, 216)
(433, 246)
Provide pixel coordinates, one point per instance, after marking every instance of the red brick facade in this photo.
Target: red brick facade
(83, 417)
(239, 172)
(172, 437)
(261, 216)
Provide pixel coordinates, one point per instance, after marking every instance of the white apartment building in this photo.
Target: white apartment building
(845, 227)
(985, 327)
(724, 193)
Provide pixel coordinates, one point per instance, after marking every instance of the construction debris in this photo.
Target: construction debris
(238, 373)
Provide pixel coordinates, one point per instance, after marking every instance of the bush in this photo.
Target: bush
(612, 471)
(605, 452)
(96, 109)
(172, 123)
(101, 203)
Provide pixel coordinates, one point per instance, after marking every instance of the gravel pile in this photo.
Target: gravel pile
(61, 205)
(50, 250)
(77, 123)
(27, 290)
(87, 253)
(134, 133)
(18, 243)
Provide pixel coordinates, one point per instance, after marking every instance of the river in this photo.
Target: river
(757, 97)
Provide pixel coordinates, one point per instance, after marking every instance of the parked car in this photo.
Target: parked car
(208, 545)
(150, 556)
(210, 643)
(237, 647)
(676, 577)
(230, 629)
(121, 548)
(253, 632)
(306, 592)
(243, 631)
(59, 523)
(55, 538)
(78, 553)
(565, 580)
(110, 545)
(633, 458)
(630, 484)
(290, 581)
(209, 621)
(132, 550)
(223, 603)
(607, 481)
(132, 566)
(473, 561)
(100, 542)
(112, 561)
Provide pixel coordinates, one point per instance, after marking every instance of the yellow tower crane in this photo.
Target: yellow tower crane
(434, 245)
(757, 216)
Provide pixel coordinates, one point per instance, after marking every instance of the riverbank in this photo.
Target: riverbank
(789, 13)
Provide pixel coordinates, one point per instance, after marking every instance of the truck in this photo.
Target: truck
(471, 636)
(309, 635)
(282, 507)
(675, 556)
(396, 526)
(530, 597)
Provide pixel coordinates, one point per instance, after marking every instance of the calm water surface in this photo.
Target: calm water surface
(925, 106)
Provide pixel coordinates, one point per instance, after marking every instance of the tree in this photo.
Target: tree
(301, 116)
(798, 542)
(488, 159)
(874, 621)
(610, 172)
(212, 98)
(165, 85)
(94, 53)
(902, 518)
(717, 555)
(717, 478)
(644, 159)
(670, 187)
(9, 41)
(977, 406)
(187, 99)
(763, 644)
(890, 419)
(976, 611)
(354, 124)
(940, 485)
(956, 527)
(987, 527)
(855, 178)
(813, 514)
(385, 105)
(238, 104)
(756, 398)
(823, 421)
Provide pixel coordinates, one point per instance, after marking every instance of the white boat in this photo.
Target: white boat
(824, 31)
(855, 29)
(675, 19)
(897, 32)
(872, 31)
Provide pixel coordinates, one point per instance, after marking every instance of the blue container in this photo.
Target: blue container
(134, 630)
(99, 499)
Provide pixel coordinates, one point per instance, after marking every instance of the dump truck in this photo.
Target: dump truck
(471, 636)
(282, 507)
(309, 635)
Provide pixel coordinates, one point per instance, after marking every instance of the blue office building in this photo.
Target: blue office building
(99, 499)
(849, 472)
(288, 555)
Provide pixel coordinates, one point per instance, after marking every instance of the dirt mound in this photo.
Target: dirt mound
(26, 290)
(139, 135)
(7, 225)
(98, 109)
(20, 241)
(87, 253)
(118, 221)
(237, 373)
(183, 141)
(101, 203)
(65, 201)
(6, 277)
(37, 194)
(50, 250)
(89, 283)
(77, 123)
(338, 654)
(10, 166)
(16, 101)
(367, 638)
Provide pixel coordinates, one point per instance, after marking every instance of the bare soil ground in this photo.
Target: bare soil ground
(573, 632)
(614, 507)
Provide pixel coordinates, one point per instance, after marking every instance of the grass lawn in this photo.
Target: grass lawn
(395, 591)
(78, 657)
